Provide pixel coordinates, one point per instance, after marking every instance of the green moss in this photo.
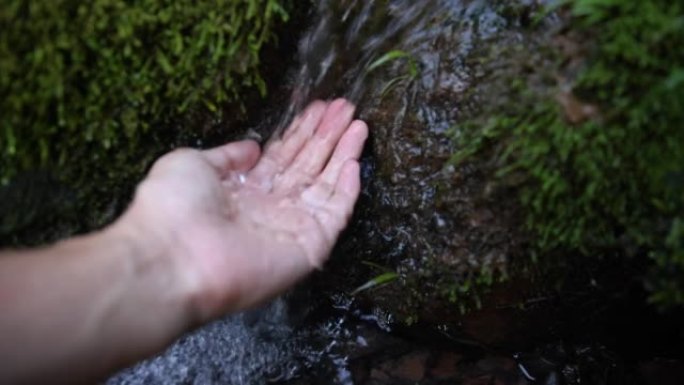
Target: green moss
(667, 278)
(92, 91)
(609, 179)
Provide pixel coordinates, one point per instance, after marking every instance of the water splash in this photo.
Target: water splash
(349, 35)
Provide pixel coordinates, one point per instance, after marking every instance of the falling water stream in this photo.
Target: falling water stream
(350, 35)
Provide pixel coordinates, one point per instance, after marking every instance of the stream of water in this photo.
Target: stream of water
(335, 55)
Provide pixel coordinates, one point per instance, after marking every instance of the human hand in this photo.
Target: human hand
(238, 226)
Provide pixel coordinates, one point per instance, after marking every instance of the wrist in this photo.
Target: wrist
(152, 259)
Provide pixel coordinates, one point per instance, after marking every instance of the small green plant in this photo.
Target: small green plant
(391, 56)
(666, 280)
(378, 281)
(383, 279)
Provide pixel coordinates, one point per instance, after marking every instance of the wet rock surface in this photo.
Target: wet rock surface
(449, 232)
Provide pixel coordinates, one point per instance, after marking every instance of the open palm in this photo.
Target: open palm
(243, 226)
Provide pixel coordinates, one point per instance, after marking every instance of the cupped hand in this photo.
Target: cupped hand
(239, 226)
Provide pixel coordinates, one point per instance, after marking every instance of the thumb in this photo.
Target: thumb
(236, 156)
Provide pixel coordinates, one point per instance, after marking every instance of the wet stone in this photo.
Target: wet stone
(445, 366)
(440, 226)
(407, 368)
(662, 372)
(379, 375)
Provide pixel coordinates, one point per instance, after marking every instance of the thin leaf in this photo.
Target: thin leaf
(377, 281)
(390, 85)
(386, 58)
(375, 265)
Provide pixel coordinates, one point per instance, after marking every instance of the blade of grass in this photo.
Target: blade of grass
(381, 279)
(386, 58)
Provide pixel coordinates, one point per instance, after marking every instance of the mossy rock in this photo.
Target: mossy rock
(93, 91)
(594, 147)
(437, 240)
(531, 171)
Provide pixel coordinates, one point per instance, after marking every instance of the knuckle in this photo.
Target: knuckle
(174, 155)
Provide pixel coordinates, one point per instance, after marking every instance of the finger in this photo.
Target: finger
(349, 148)
(236, 156)
(336, 213)
(316, 152)
(280, 152)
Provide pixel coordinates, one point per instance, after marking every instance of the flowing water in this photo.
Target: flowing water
(349, 36)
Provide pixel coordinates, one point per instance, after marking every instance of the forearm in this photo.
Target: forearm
(87, 306)
(195, 244)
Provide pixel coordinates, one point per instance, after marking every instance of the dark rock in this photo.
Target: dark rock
(663, 372)
(445, 366)
(409, 368)
(449, 231)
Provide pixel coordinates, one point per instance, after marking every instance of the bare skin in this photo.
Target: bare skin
(208, 233)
